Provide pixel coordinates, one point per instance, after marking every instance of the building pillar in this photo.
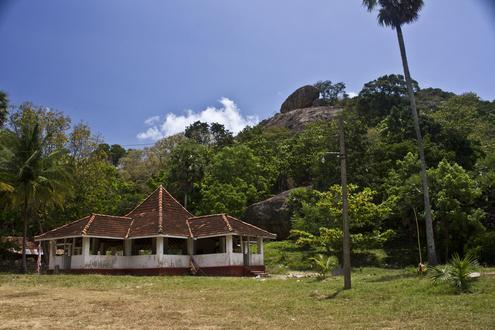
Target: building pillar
(228, 244)
(127, 247)
(51, 255)
(159, 246)
(190, 246)
(260, 245)
(229, 248)
(85, 250)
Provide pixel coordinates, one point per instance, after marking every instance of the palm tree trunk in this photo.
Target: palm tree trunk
(430, 240)
(24, 235)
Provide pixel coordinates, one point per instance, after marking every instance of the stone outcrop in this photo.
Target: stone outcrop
(297, 119)
(302, 98)
(271, 214)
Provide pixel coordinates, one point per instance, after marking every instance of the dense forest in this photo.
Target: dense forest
(210, 170)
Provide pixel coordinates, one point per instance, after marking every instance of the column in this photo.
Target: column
(127, 247)
(85, 251)
(159, 246)
(229, 248)
(51, 255)
(190, 246)
(260, 245)
(228, 244)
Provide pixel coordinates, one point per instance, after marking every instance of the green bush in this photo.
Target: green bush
(457, 272)
(483, 246)
(323, 265)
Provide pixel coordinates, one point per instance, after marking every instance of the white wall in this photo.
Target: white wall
(129, 262)
(212, 260)
(154, 261)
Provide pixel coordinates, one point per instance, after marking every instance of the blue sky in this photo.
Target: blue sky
(115, 64)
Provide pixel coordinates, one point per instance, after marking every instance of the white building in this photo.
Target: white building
(158, 237)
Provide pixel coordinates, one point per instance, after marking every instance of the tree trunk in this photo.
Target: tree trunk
(345, 218)
(24, 236)
(430, 240)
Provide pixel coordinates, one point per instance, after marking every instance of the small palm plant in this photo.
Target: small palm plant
(458, 272)
(323, 265)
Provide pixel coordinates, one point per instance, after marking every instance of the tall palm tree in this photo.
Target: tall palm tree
(30, 176)
(394, 14)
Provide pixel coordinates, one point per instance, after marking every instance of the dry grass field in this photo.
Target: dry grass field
(380, 299)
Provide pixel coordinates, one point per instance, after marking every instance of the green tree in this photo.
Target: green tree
(214, 135)
(454, 197)
(379, 96)
(331, 93)
(39, 175)
(316, 219)
(185, 171)
(238, 171)
(198, 132)
(4, 105)
(395, 13)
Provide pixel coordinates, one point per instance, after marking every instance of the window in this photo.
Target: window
(177, 246)
(106, 246)
(210, 245)
(236, 244)
(143, 246)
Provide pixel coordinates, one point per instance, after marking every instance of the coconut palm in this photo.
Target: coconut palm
(30, 176)
(394, 14)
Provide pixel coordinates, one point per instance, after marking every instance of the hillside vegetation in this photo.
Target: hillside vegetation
(211, 171)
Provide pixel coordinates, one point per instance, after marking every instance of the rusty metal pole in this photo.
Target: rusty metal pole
(345, 215)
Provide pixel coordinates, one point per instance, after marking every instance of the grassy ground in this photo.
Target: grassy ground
(379, 299)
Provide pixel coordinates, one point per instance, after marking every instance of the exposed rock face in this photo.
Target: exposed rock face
(302, 98)
(271, 214)
(296, 120)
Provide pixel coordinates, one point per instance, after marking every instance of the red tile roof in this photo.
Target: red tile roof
(159, 214)
(217, 224)
(99, 225)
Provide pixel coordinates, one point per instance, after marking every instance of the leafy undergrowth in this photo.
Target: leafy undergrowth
(379, 299)
(284, 256)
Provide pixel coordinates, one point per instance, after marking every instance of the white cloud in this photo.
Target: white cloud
(152, 120)
(228, 115)
(352, 94)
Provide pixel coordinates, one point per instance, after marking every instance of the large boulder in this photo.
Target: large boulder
(302, 98)
(296, 120)
(271, 214)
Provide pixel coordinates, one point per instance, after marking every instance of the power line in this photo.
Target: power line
(137, 144)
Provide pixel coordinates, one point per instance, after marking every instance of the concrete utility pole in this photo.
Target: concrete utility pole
(345, 215)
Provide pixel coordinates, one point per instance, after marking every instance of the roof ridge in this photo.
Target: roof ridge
(249, 224)
(85, 229)
(147, 197)
(46, 232)
(189, 227)
(224, 217)
(206, 216)
(160, 209)
(112, 216)
(129, 229)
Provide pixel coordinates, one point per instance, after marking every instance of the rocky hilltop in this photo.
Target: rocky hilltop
(302, 107)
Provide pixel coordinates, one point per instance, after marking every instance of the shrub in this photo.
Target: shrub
(483, 246)
(323, 265)
(457, 272)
